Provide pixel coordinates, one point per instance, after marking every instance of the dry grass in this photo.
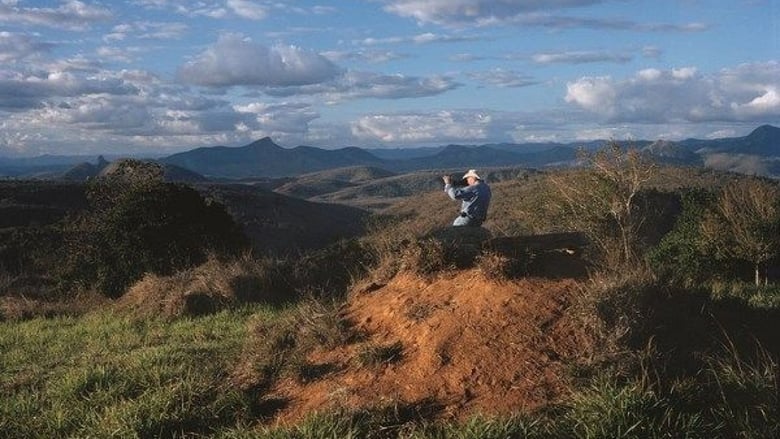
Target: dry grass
(280, 347)
(207, 288)
(17, 308)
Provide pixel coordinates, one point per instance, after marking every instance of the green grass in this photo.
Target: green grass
(104, 375)
(107, 375)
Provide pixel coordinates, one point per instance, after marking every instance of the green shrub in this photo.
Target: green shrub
(678, 257)
(152, 227)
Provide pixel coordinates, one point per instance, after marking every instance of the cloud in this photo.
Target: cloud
(146, 31)
(580, 57)
(441, 126)
(530, 13)
(424, 38)
(461, 126)
(71, 15)
(279, 119)
(503, 78)
(370, 56)
(247, 9)
(19, 91)
(17, 47)
(748, 92)
(354, 85)
(235, 61)
(254, 10)
(125, 54)
(450, 12)
(742, 163)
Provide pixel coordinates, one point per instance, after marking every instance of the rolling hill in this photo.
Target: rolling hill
(264, 158)
(757, 153)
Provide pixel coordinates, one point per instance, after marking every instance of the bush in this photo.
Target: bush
(134, 229)
(678, 257)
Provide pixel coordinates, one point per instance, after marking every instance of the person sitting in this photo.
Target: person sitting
(475, 199)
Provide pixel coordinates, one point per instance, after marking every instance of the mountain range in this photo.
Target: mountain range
(264, 158)
(757, 153)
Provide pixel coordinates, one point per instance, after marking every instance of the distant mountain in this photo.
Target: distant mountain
(671, 152)
(85, 171)
(265, 158)
(763, 141)
(405, 153)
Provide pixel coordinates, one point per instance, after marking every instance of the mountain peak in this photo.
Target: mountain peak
(265, 142)
(765, 133)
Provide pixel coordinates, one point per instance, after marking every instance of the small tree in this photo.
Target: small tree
(744, 224)
(139, 225)
(678, 256)
(600, 201)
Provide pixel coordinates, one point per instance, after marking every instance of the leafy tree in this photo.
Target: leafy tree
(744, 223)
(678, 256)
(601, 200)
(143, 225)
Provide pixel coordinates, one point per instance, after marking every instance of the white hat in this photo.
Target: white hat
(471, 173)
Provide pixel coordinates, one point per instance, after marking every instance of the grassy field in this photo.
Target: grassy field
(105, 375)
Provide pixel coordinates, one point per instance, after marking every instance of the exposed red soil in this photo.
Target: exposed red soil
(470, 345)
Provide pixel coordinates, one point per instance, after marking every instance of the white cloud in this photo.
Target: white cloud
(473, 11)
(424, 38)
(746, 93)
(595, 94)
(146, 30)
(767, 103)
(284, 119)
(16, 47)
(580, 57)
(526, 13)
(354, 85)
(409, 128)
(503, 78)
(234, 61)
(248, 9)
(370, 56)
(71, 15)
(19, 91)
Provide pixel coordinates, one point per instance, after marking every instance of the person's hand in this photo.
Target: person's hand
(447, 179)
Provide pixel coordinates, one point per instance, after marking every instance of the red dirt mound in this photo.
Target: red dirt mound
(467, 344)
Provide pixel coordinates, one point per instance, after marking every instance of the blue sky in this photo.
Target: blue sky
(153, 77)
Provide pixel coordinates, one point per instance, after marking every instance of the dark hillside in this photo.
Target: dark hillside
(382, 192)
(276, 223)
(454, 156)
(332, 180)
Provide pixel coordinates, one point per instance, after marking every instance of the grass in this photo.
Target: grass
(110, 375)
(103, 375)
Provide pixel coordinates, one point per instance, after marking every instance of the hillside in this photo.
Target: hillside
(381, 189)
(465, 345)
(332, 180)
(395, 334)
(276, 223)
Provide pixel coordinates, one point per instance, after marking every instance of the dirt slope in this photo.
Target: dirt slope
(469, 345)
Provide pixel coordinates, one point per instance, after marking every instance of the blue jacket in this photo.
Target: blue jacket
(475, 199)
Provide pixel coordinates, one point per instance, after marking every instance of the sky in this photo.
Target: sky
(154, 77)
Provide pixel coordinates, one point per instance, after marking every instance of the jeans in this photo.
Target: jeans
(465, 220)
